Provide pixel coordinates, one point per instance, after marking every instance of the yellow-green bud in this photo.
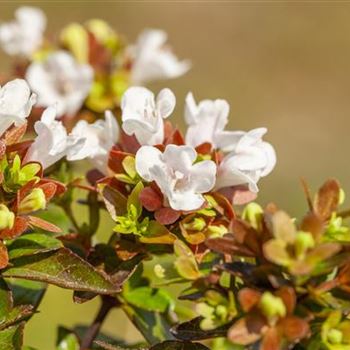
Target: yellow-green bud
(303, 242)
(159, 271)
(335, 336)
(198, 224)
(253, 214)
(7, 218)
(35, 200)
(341, 196)
(272, 306)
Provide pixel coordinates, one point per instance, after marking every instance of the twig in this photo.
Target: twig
(107, 304)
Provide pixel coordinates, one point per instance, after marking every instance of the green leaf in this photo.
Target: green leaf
(5, 300)
(134, 199)
(67, 340)
(148, 298)
(32, 243)
(152, 325)
(115, 202)
(129, 166)
(12, 338)
(62, 268)
(27, 292)
(185, 262)
(8, 313)
(178, 345)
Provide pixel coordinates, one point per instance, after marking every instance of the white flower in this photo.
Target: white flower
(251, 159)
(143, 116)
(181, 182)
(16, 103)
(52, 141)
(207, 122)
(24, 35)
(98, 139)
(60, 80)
(152, 60)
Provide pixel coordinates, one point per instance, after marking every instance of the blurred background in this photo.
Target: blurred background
(282, 65)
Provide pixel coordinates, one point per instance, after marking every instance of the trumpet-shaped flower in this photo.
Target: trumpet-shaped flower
(207, 122)
(16, 103)
(251, 159)
(98, 137)
(152, 60)
(60, 80)
(52, 142)
(181, 182)
(143, 115)
(24, 34)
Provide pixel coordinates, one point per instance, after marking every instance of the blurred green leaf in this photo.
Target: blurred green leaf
(148, 298)
(67, 340)
(12, 338)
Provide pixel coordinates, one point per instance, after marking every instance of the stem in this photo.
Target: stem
(107, 304)
(68, 211)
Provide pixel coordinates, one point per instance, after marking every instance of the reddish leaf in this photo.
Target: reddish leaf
(225, 205)
(271, 340)
(20, 225)
(150, 199)
(294, 328)
(60, 187)
(129, 143)
(287, 294)
(43, 224)
(15, 134)
(312, 223)
(49, 190)
(4, 257)
(204, 148)
(246, 330)
(115, 160)
(238, 195)
(327, 199)
(248, 298)
(167, 216)
(2, 148)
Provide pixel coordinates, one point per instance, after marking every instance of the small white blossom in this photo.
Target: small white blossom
(62, 81)
(143, 115)
(251, 159)
(24, 35)
(98, 137)
(52, 141)
(153, 60)
(16, 103)
(181, 182)
(206, 123)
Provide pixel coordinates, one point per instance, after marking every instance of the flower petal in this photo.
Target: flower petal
(146, 158)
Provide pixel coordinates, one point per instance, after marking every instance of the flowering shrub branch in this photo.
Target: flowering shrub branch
(180, 206)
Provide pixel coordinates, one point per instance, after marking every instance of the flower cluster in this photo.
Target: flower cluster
(90, 66)
(255, 277)
(24, 189)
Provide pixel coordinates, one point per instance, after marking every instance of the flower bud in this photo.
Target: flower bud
(335, 336)
(7, 218)
(341, 196)
(303, 242)
(253, 214)
(35, 200)
(272, 306)
(198, 224)
(159, 271)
